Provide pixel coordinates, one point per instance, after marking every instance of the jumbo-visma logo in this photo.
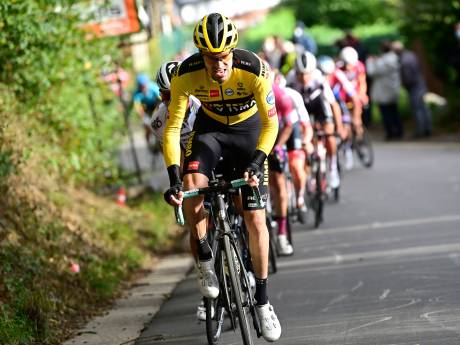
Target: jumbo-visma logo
(270, 98)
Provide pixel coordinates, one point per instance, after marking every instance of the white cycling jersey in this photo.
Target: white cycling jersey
(160, 116)
(299, 106)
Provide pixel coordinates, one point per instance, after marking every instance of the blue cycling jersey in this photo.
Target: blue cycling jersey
(149, 98)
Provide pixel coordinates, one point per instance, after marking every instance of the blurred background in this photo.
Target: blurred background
(78, 183)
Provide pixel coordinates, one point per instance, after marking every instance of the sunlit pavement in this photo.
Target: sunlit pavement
(382, 269)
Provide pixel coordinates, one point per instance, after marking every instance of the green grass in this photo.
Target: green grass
(40, 297)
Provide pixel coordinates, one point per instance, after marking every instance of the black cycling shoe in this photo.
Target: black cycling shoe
(302, 214)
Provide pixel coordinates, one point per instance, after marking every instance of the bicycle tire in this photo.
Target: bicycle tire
(237, 295)
(364, 149)
(272, 248)
(318, 199)
(215, 321)
(289, 229)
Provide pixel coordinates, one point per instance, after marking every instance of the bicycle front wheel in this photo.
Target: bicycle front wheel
(215, 308)
(364, 149)
(237, 297)
(318, 201)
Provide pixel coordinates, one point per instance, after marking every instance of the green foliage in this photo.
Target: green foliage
(280, 22)
(52, 71)
(343, 14)
(432, 23)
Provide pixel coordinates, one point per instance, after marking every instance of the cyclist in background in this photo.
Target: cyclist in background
(287, 119)
(321, 104)
(145, 98)
(298, 146)
(343, 90)
(158, 123)
(356, 74)
(236, 121)
(160, 115)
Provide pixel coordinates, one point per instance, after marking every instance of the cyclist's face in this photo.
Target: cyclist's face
(219, 66)
(303, 78)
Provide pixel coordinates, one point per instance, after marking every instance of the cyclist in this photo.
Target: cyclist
(298, 145)
(145, 98)
(287, 119)
(355, 72)
(236, 121)
(160, 115)
(343, 90)
(321, 104)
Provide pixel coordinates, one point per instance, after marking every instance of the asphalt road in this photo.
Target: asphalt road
(384, 267)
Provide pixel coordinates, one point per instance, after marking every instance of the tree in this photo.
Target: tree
(344, 14)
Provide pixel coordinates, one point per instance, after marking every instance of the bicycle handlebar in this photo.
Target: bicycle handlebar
(222, 188)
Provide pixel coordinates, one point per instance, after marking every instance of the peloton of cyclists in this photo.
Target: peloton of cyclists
(321, 105)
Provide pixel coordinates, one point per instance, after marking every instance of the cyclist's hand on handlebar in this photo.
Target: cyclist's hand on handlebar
(253, 174)
(174, 195)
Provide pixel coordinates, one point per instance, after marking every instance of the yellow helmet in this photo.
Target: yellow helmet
(215, 33)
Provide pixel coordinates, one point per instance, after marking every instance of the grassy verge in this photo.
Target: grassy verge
(65, 251)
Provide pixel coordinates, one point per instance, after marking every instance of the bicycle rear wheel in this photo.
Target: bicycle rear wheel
(364, 149)
(272, 248)
(237, 296)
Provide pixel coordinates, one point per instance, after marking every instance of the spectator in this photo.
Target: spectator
(350, 40)
(304, 39)
(385, 89)
(272, 49)
(412, 79)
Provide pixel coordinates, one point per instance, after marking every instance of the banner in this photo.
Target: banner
(112, 18)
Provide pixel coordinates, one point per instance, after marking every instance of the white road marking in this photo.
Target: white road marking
(369, 324)
(357, 286)
(401, 252)
(384, 225)
(384, 294)
(434, 319)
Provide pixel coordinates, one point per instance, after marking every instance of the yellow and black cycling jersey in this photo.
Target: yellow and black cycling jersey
(247, 91)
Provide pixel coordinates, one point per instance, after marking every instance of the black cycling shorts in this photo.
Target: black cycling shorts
(320, 109)
(212, 140)
(295, 140)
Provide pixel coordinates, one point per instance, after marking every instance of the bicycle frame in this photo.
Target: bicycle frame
(228, 258)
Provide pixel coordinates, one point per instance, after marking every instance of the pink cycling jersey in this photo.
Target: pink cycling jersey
(353, 76)
(287, 114)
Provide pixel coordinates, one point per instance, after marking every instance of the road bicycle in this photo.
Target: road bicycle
(317, 181)
(272, 227)
(235, 297)
(363, 147)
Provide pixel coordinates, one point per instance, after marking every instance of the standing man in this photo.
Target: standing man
(412, 79)
(386, 85)
(238, 122)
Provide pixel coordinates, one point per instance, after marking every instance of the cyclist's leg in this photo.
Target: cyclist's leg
(201, 157)
(194, 210)
(278, 183)
(297, 168)
(331, 148)
(296, 159)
